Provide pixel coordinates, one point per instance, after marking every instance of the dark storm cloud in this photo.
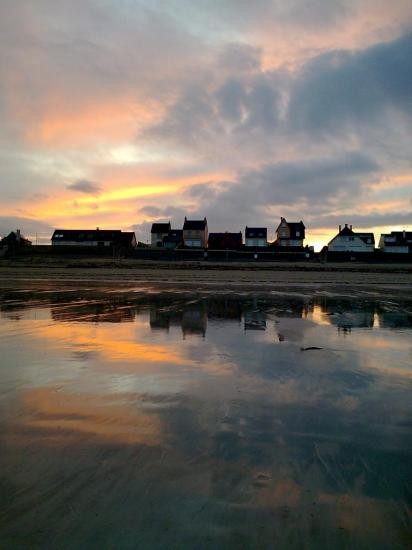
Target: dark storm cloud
(340, 89)
(85, 186)
(305, 187)
(338, 93)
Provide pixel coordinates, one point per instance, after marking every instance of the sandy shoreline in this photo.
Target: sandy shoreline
(199, 274)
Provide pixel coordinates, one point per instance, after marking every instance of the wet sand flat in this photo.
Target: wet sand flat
(138, 412)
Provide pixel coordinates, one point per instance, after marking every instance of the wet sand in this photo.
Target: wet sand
(203, 274)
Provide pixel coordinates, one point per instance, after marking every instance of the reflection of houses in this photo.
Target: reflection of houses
(194, 320)
(195, 233)
(396, 242)
(290, 233)
(255, 320)
(94, 237)
(349, 241)
(159, 319)
(224, 308)
(395, 319)
(94, 313)
(256, 236)
(223, 241)
(158, 232)
(352, 319)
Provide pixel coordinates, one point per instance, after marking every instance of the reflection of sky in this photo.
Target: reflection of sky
(203, 430)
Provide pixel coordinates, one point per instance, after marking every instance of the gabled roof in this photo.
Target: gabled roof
(160, 228)
(346, 232)
(367, 238)
(13, 238)
(194, 225)
(256, 233)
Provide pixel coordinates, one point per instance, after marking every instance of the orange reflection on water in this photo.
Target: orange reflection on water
(59, 417)
(111, 345)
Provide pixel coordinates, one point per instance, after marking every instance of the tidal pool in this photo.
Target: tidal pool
(144, 418)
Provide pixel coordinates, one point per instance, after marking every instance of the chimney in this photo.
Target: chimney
(97, 229)
(404, 234)
(350, 227)
(340, 228)
(185, 219)
(346, 225)
(18, 235)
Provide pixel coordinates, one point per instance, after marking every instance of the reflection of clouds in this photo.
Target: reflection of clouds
(237, 432)
(57, 417)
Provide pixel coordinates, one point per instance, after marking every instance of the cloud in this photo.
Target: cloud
(29, 227)
(85, 186)
(342, 91)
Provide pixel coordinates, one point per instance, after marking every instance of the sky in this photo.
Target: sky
(120, 113)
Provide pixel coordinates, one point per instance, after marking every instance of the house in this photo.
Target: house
(396, 242)
(256, 236)
(223, 241)
(158, 232)
(174, 239)
(290, 233)
(195, 233)
(94, 237)
(15, 240)
(349, 241)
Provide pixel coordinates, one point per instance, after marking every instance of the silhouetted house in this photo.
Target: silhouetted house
(223, 241)
(195, 233)
(174, 239)
(396, 242)
(349, 241)
(94, 237)
(290, 233)
(14, 241)
(256, 236)
(158, 232)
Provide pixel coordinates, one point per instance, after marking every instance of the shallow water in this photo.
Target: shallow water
(136, 418)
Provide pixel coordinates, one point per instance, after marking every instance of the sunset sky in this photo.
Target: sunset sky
(119, 113)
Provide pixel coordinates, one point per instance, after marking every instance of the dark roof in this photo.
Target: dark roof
(194, 225)
(225, 240)
(398, 238)
(346, 231)
(295, 227)
(368, 238)
(127, 237)
(160, 227)
(81, 235)
(13, 239)
(256, 232)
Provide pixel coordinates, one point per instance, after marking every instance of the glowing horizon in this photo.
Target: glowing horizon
(241, 113)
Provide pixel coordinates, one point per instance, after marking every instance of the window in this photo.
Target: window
(297, 233)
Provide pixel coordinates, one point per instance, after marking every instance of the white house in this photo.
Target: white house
(396, 242)
(349, 241)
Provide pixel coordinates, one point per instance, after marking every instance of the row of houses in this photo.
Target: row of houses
(195, 234)
(347, 240)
